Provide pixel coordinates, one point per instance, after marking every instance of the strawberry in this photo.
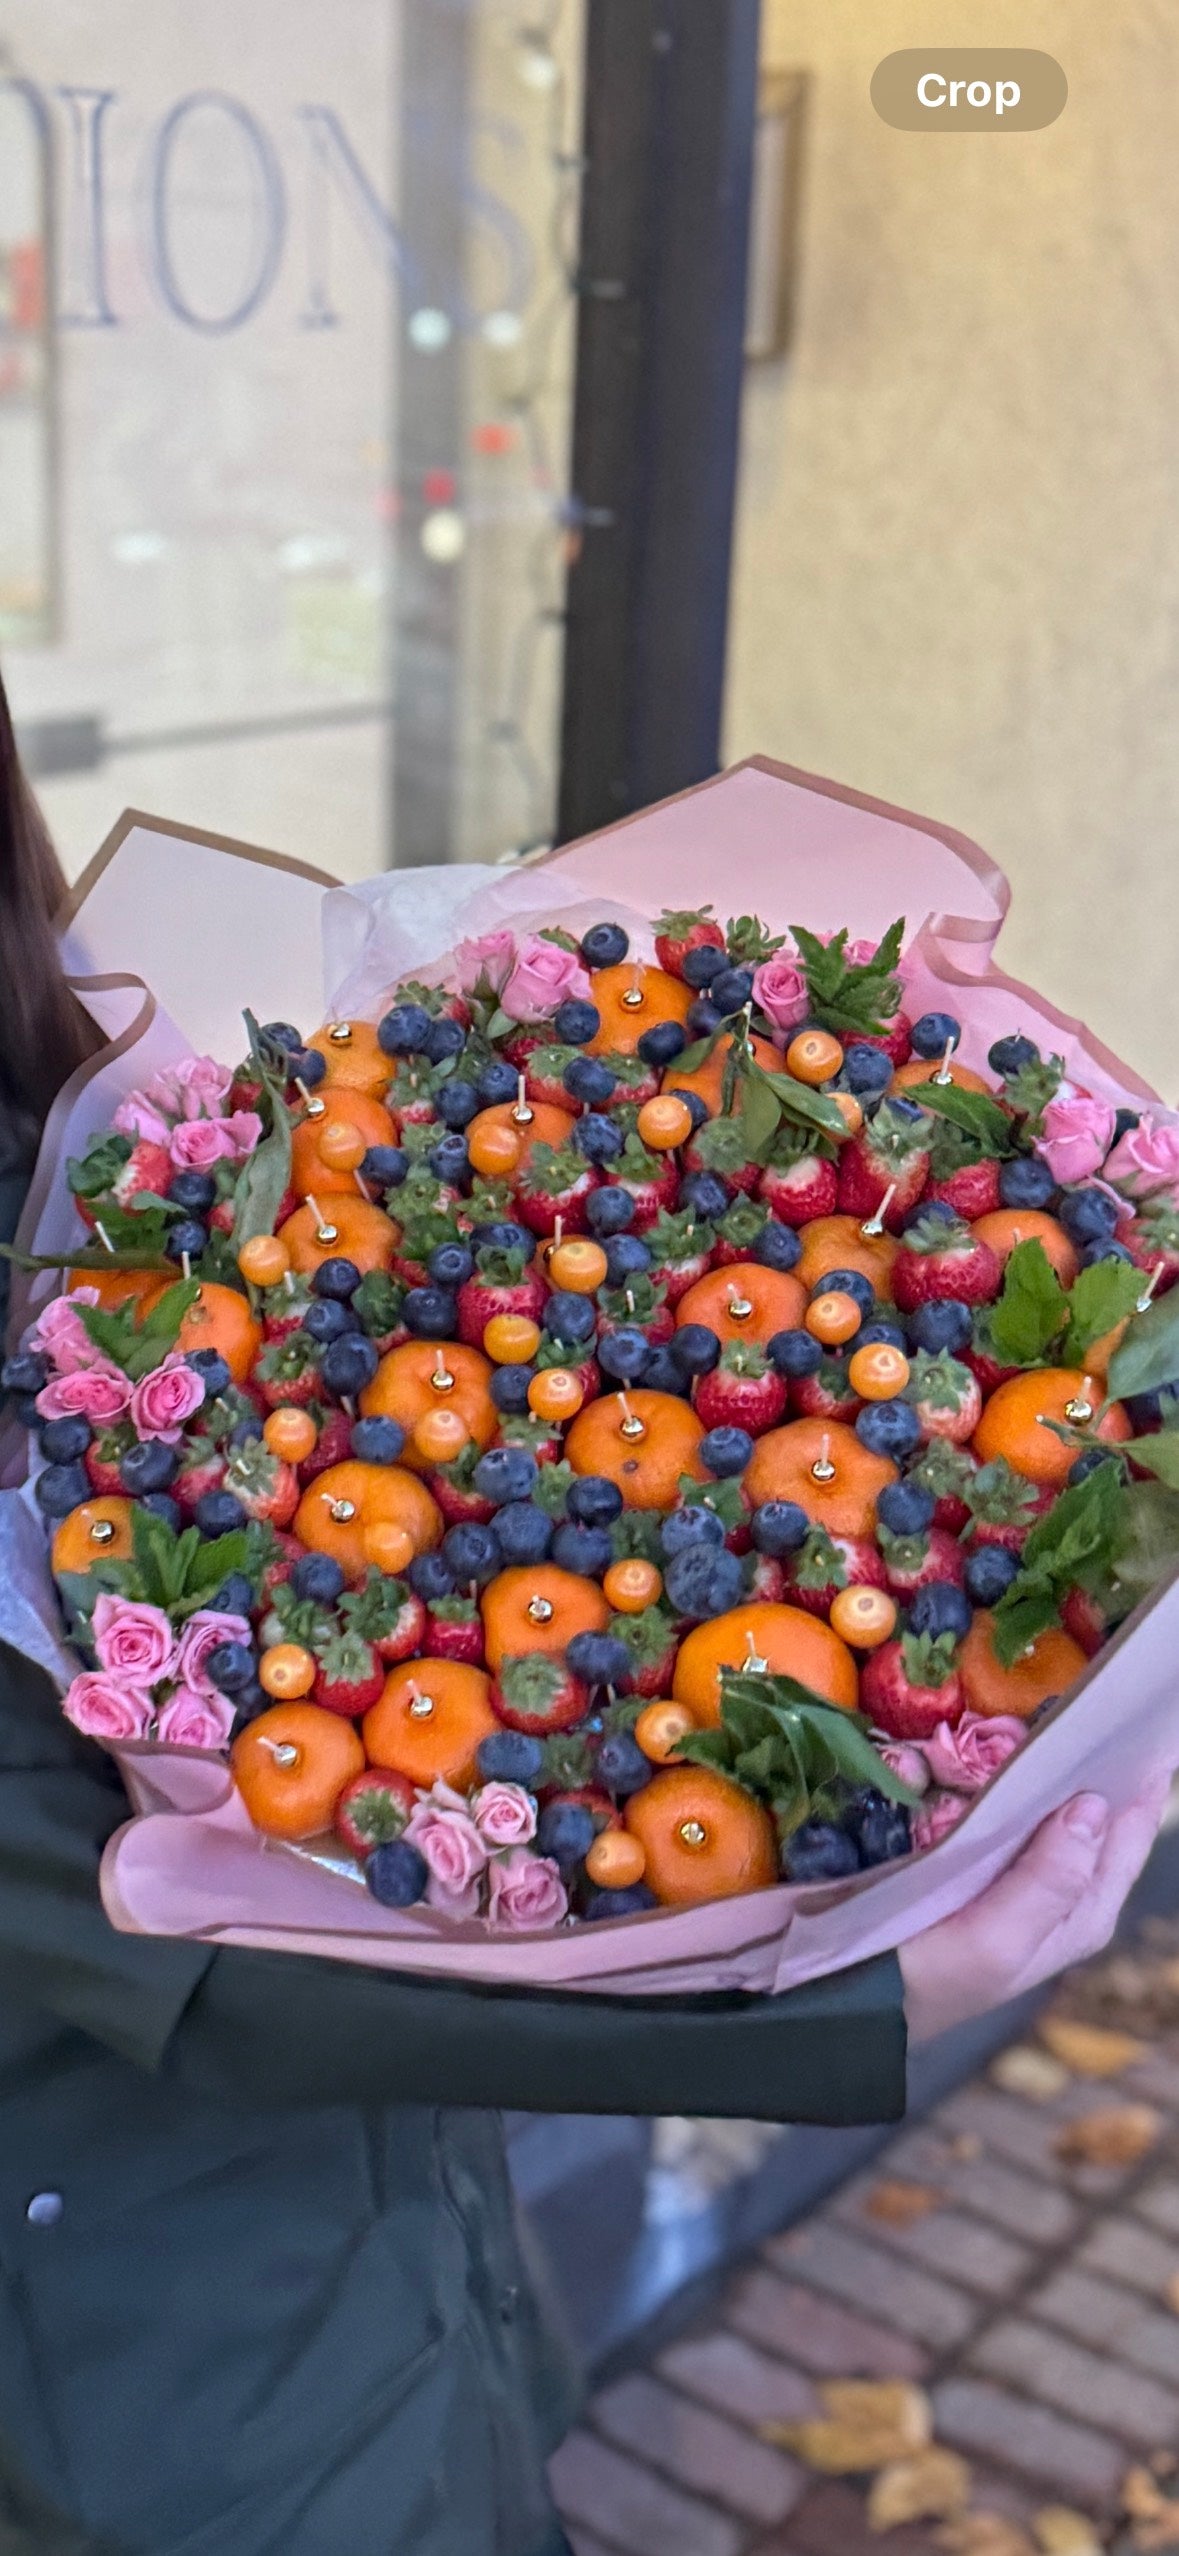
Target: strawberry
(1085, 1618)
(988, 1370)
(386, 1613)
(895, 1041)
(267, 1488)
(223, 1216)
(739, 1230)
(523, 1044)
(945, 1395)
(908, 1687)
(283, 1307)
(377, 1304)
(1003, 1506)
(373, 1810)
(639, 1304)
(826, 1564)
(504, 1283)
(286, 1371)
(693, 928)
(636, 1081)
(535, 1692)
(1152, 1240)
(555, 1184)
(542, 1439)
(332, 1446)
(766, 1580)
(972, 1190)
(681, 1248)
(454, 1631)
(744, 1391)
(947, 1472)
(911, 1562)
(944, 1258)
(281, 1554)
(651, 1180)
(202, 1468)
(543, 1075)
(350, 1677)
(890, 1154)
(826, 1395)
(451, 1486)
(652, 1641)
(148, 1168)
(103, 1457)
(575, 1362)
(410, 1093)
(800, 1187)
(721, 1146)
(245, 1091)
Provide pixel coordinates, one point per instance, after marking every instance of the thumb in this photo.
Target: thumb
(1058, 1865)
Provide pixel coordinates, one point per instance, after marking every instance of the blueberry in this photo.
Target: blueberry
(509, 1388)
(627, 1256)
(503, 1235)
(1088, 1462)
(186, 1239)
(457, 1103)
(946, 1325)
(569, 1318)
(396, 1874)
(327, 1319)
(576, 1022)
(404, 1031)
(696, 1349)
(1009, 1056)
(705, 1581)
(430, 1576)
(777, 1246)
(605, 945)
(622, 1767)
(506, 1473)
(880, 1828)
(385, 1166)
(609, 1211)
(213, 1370)
(449, 1159)
(349, 1365)
(318, 1577)
(661, 1374)
(451, 1265)
(498, 1082)
(1108, 1248)
(510, 1757)
(598, 1139)
(697, 1109)
(523, 1533)
(170, 1513)
(195, 1191)
(308, 1066)
(905, 1508)
(1124, 1122)
(26, 1372)
(704, 1018)
(866, 1070)
(472, 1553)
(599, 1659)
(726, 1451)
(245, 1430)
(888, 1429)
(60, 1488)
(280, 1037)
(634, 1901)
(444, 1038)
(63, 1441)
(339, 1278)
(931, 1035)
(731, 990)
(150, 1466)
(236, 1593)
(698, 967)
(779, 1527)
(691, 1530)
(231, 1666)
(990, 1570)
(941, 1607)
(880, 1331)
(818, 1851)
(624, 1355)
(661, 1045)
(1087, 1215)
(218, 1513)
(430, 1313)
(566, 1831)
(706, 1194)
(594, 1501)
(795, 1353)
(846, 1282)
(587, 1550)
(1025, 1182)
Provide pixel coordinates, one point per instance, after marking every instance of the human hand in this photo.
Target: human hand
(1058, 1903)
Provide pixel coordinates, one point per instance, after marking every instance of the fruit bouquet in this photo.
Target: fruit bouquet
(594, 1461)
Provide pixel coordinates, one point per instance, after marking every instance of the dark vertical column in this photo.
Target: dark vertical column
(671, 93)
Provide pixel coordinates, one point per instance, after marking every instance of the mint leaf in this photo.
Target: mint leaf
(760, 1113)
(847, 997)
(1032, 1310)
(974, 1112)
(1158, 1455)
(1149, 1355)
(1021, 1618)
(1074, 1546)
(807, 1107)
(1102, 1296)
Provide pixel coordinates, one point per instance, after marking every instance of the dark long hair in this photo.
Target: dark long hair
(44, 1033)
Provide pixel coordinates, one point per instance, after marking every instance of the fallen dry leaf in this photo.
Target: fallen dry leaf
(984, 2534)
(1119, 2134)
(1061, 2532)
(1155, 2515)
(900, 2204)
(1032, 2073)
(934, 2485)
(1089, 2050)
(867, 2423)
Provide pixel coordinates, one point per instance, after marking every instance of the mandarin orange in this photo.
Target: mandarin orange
(781, 1639)
(702, 1837)
(640, 1440)
(824, 1467)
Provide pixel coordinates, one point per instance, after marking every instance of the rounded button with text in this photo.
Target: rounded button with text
(969, 89)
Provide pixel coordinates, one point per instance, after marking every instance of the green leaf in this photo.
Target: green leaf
(1148, 1542)
(265, 1177)
(1021, 1618)
(760, 1113)
(847, 997)
(561, 939)
(707, 1748)
(1149, 1355)
(806, 1107)
(1074, 1545)
(974, 1112)
(100, 1166)
(1101, 1297)
(501, 1025)
(1032, 1310)
(163, 1322)
(1158, 1455)
(690, 1059)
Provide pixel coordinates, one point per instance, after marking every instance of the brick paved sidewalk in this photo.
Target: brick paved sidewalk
(1034, 2296)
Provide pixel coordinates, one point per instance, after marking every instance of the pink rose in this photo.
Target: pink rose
(165, 1399)
(98, 1394)
(138, 1116)
(245, 1128)
(201, 1634)
(61, 1334)
(189, 1720)
(106, 1708)
(543, 976)
(491, 957)
(779, 986)
(966, 1758)
(198, 1143)
(444, 1833)
(1078, 1133)
(133, 1641)
(1146, 1159)
(907, 1762)
(202, 1085)
(504, 1814)
(935, 1819)
(164, 1091)
(526, 1890)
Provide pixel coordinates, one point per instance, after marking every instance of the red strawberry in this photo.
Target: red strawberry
(287, 1205)
(332, 1446)
(285, 1551)
(738, 1231)
(410, 1094)
(896, 1041)
(521, 1429)
(452, 1486)
(652, 1641)
(947, 1472)
(908, 1687)
(640, 1304)
(223, 1216)
(504, 1283)
(890, 1154)
(826, 1564)
(202, 1468)
(989, 1371)
(350, 1677)
(636, 1081)
(148, 1167)
(972, 1190)
(743, 1392)
(650, 1179)
(1003, 1506)
(1152, 1240)
(245, 1091)
(721, 1146)
(939, 1258)
(544, 1076)
(912, 1562)
(681, 1248)
(283, 1307)
(800, 1188)
(286, 1371)
(1084, 1617)
(373, 1810)
(767, 1581)
(454, 1631)
(267, 1488)
(826, 1395)
(693, 928)
(386, 1613)
(522, 1044)
(535, 1692)
(555, 1185)
(945, 1395)
(103, 1457)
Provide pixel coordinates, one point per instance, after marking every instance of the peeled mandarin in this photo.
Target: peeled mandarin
(814, 1056)
(665, 1123)
(264, 1260)
(833, 1318)
(579, 1267)
(864, 1617)
(290, 1433)
(879, 1372)
(287, 1670)
(511, 1339)
(615, 1860)
(557, 1393)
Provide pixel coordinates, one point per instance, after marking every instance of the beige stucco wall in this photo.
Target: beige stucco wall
(958, 561)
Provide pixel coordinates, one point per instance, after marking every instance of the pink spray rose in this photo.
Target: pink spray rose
(133, 1641)
(1145, 1161)
(98, 1394)
(198, 1143)
(491, 956)
(526, 1890)
(165, 1399)
(966, 1758)
(138, 1116)
(201, 1634)
(505, 1815)
(907, 1762)
(107, 1708)
(189, 1720)
(1078, 1133)
(779, 986)
(164, 1091)
(202, 1085)
(543, 976)
(60, 1333)
(935, 1819)
(445, 1834)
